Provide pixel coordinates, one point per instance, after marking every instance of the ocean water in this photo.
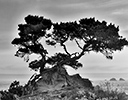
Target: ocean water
(7, 79)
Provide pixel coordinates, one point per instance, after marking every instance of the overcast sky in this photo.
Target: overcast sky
(12, 13)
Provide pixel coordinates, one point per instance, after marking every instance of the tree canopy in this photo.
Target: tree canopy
(88, 34)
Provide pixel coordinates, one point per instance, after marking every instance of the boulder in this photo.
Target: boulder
(121, 79)
(113, 79)
(56, 83)
(81, 82)
(51, 79)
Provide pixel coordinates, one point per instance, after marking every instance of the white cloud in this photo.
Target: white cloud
(109, 10)
(82, 5)
(113, 3)
(122, 12)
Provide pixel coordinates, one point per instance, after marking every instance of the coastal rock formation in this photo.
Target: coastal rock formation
(113, 79)
(56, 83)
(121, 79)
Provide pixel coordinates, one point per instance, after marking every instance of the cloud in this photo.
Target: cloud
(114, 3)
(9, 64)
(121, 20)
(97, 69)
(122, 11)
(74, 10)
(5, 41)
(11, 14)
(83, 5)
(68, 10)
(125, 32)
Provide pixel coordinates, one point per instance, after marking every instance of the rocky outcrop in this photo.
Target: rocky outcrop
(52, 79)
(56, 83)
(113, 79)
(121, 79)
(81, 82)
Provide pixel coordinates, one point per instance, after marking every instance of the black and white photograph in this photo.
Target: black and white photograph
(63, 49)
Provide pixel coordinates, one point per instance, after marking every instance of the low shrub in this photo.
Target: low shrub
(106, 92)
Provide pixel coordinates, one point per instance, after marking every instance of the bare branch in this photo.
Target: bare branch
(84, 49)
(76, 55)
(65, 49)
(78, 44)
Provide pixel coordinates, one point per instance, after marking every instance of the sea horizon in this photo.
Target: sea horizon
(95, 78)
(7, 79)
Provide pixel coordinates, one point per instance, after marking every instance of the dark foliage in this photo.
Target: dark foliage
(16, 88)
(7, 96)
(89, 35)
(61, 58)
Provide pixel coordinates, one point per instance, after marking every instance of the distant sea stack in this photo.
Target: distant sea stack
(113, 79)
(121, 79)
